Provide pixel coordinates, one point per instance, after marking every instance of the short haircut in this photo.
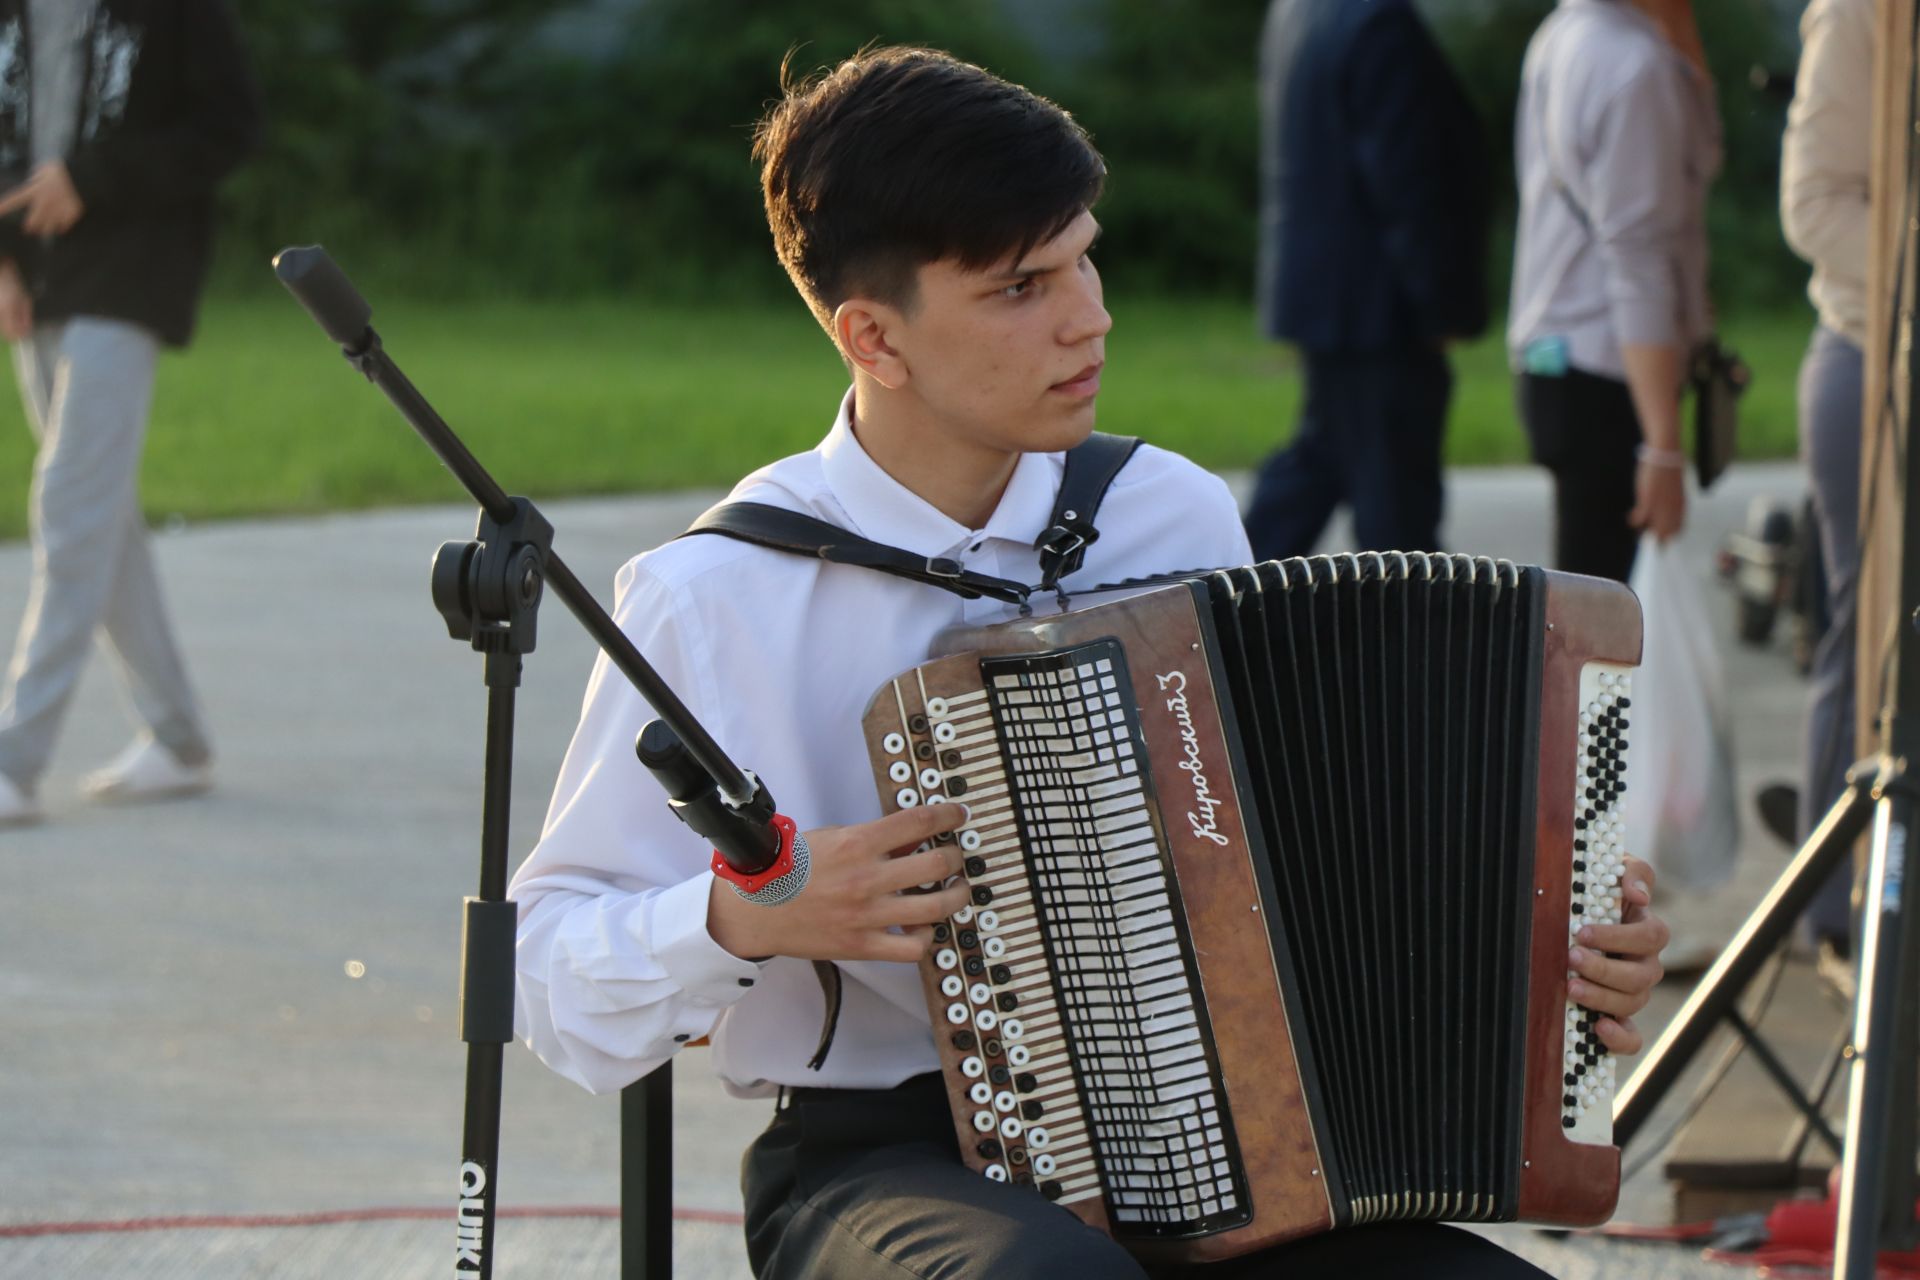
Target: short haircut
(900, 157)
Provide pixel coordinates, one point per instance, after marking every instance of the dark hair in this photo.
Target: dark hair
(900, 157)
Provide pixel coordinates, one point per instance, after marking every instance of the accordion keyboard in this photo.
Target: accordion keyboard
(1077, 1010)
(1586, 1109)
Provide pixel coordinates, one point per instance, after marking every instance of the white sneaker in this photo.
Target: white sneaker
(146, 771)
(17, 808)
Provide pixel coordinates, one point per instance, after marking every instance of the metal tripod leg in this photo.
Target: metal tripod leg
(646, 1176)
(1877, 1165)
(1717, 994)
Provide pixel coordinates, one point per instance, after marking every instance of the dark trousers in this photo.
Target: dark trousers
(1370, 435)
(1583, 429)
(1830, 404)
(852, 1183)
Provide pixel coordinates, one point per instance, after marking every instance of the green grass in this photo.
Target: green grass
(263, 417)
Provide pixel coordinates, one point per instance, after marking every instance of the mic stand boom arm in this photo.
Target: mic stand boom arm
(489, 591)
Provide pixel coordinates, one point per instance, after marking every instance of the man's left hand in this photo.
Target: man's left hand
(52, 205)
(1616, 966)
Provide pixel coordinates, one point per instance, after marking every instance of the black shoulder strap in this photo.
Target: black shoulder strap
(1092, 466)
(783, 530)
(1090, 471)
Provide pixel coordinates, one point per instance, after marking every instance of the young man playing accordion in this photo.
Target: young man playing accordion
(938, 221)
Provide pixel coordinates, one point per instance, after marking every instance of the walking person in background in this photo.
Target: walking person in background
(1616, 138)
(1823, 208)
(122, 115)
(1373, 227)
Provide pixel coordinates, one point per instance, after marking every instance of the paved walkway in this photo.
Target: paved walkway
(244, 1004)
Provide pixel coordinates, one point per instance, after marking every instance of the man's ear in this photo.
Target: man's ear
(862, 327)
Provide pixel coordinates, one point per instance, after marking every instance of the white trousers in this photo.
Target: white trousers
(87, 384)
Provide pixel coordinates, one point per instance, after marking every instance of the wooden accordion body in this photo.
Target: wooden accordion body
(1274, 874)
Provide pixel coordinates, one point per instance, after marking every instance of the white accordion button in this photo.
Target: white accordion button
(985, 1019)
(900, 771)
(936, 708)
(894, 744)
(969, 840)
(996, 1173)
(951, 986)
(983, 1121)
(1010, 1127)
(1037, 1137)
(957, 1014)
(930, 779)
(946, 958)
(981, 1093)
(980, 993)
(907, 797)
(989, 921)
(944, 733)
(1003, 1102)
(1042, 1164)
(1012, 1029)
(972, 1068)
(963, 915)
(1017, 1055)
(994, 947)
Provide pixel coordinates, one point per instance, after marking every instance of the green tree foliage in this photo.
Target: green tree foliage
(452, 147)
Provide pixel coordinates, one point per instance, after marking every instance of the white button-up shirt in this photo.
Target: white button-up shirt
(778, 656)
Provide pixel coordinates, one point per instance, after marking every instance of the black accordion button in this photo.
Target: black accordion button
(950, 759)
(982, 895)
(1008, 1002)
(1032, 1109)
(942, 932)
(969, 939)
(1569, 1098)
(964, 1041)
(989, 1150)
(976, 866)
(1023, 1179)
(923, 750)
(1001, 975)
(917, 723)
(1572, 1079)
(1053, 1190)
(956, 786)
(991, 1048)
(1017, 1156)
(999, 1075)
(1579, 866)
(975, 966)
(1026, 1082)
(1566, 1122)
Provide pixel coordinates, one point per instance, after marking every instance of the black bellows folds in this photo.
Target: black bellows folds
(1387, 707)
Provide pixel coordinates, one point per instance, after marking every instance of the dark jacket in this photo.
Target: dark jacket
(167, 108)
(1373, 223)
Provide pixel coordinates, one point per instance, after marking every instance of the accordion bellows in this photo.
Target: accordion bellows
(1274, 871)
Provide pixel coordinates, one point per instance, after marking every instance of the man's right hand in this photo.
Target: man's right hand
(854, 894)
(16, 304)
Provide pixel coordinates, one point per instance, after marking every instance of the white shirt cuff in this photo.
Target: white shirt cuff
(676, 927)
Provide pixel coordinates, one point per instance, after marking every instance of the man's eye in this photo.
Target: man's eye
(1018, 288)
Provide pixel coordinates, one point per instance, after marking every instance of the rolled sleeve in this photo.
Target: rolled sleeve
(1639, 200)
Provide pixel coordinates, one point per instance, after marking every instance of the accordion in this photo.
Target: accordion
(1273, 875)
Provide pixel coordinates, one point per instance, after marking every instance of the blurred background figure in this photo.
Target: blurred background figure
(1373, 226)
(122, 117)
(1616, 139)
(1823, 208)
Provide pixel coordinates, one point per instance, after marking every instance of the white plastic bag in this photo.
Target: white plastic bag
(1681, 809)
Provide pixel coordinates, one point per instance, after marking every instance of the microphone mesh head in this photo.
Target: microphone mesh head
(775, 892)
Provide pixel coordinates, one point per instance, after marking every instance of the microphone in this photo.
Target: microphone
(320, 286)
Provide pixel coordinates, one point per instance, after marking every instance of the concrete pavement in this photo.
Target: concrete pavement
(244, 1004)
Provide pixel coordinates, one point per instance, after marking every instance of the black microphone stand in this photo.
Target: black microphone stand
(489, 591)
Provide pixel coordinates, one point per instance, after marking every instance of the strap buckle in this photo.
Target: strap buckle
(945, 567)
(1062, 548)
